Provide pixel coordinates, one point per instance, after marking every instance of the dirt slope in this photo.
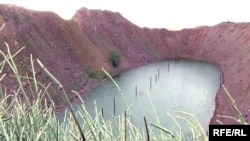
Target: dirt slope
(69, 47)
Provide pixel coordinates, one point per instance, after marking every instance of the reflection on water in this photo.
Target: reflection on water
(188, 85)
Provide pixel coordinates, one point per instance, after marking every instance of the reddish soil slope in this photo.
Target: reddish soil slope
(68, 48)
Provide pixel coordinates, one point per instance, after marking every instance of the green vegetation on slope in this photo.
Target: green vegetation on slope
(114, 58)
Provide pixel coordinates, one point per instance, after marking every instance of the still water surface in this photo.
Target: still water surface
(185, 84)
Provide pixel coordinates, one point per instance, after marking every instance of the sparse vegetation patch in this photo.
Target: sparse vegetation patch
(114, 58)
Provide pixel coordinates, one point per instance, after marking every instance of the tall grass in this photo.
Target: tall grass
(240, 119)
(20, 117)
(34, 119)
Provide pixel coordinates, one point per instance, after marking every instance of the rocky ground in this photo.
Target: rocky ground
(68, 48)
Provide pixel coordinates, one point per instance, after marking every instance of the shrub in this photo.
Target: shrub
(93, 73)
(114, 58)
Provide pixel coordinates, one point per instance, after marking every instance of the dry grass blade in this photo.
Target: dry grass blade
(146, 127)
(241, 119)
(125, 125)
(164, 130)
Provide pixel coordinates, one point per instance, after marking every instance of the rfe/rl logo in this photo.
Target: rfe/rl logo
(229, 132)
